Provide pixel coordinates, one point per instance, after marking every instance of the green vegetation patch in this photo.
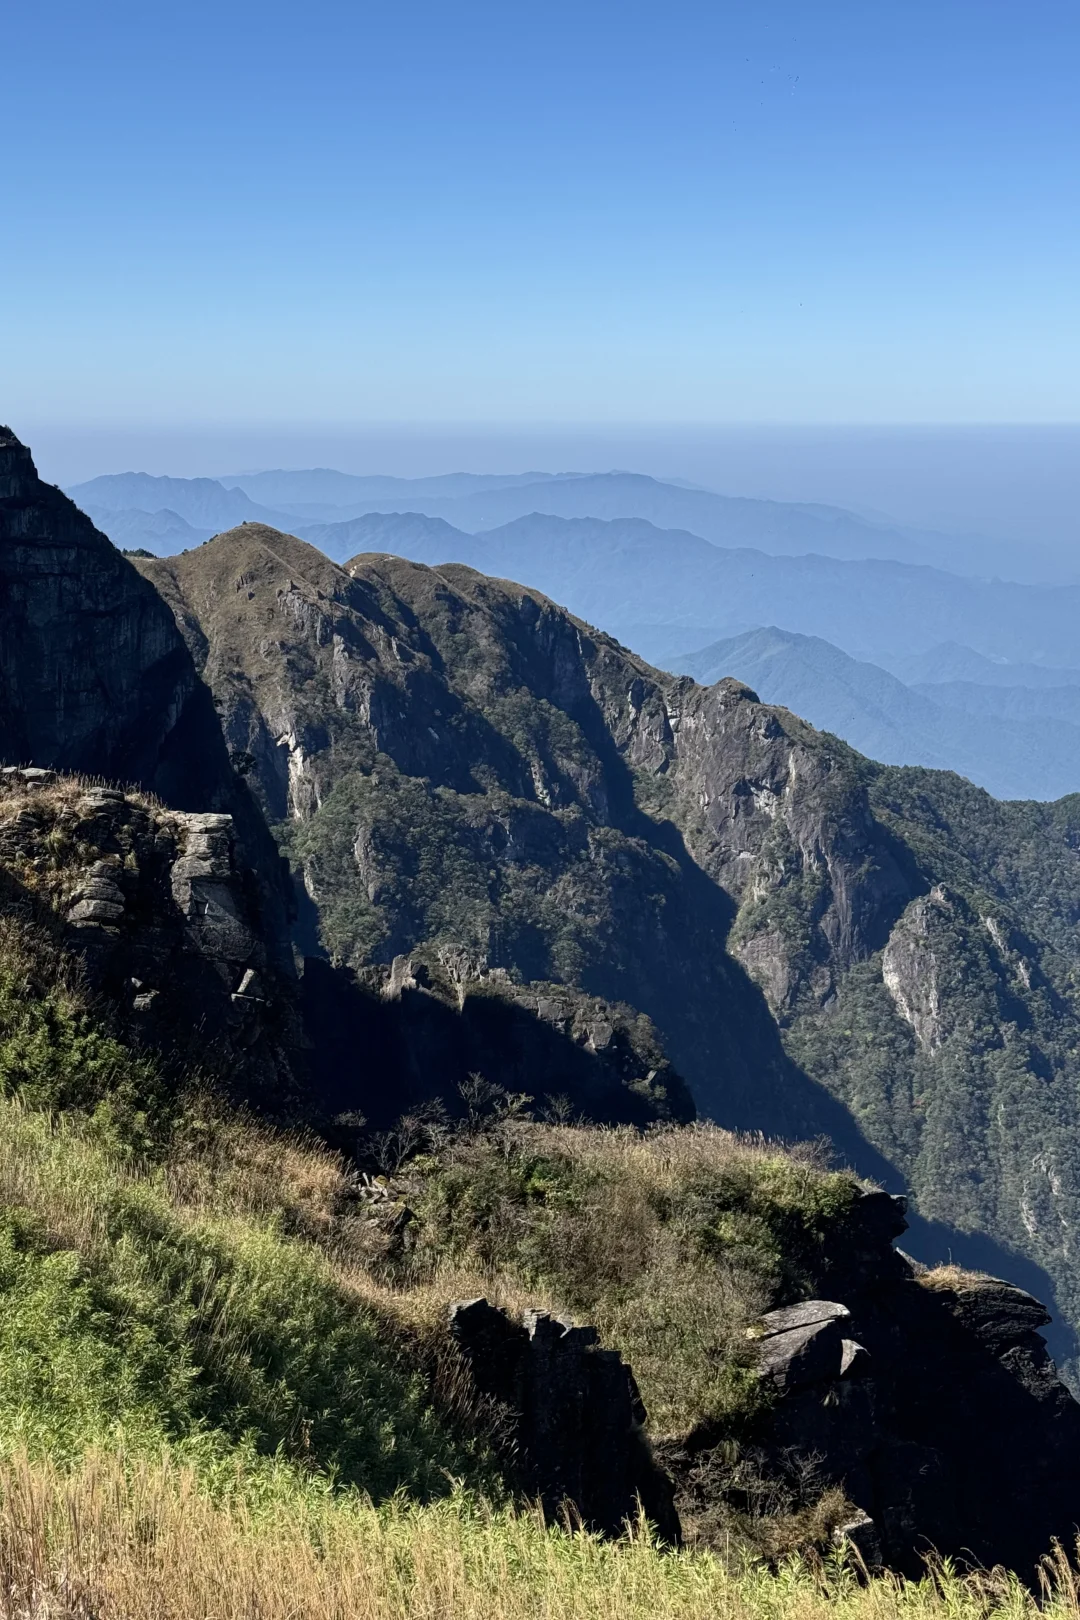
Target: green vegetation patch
(671, 1242)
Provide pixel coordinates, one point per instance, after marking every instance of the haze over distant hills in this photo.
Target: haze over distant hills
(477, 502)
(1018, 742)
(667, 592)
(911, 664)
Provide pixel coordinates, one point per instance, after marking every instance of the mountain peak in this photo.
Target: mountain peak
(18, 475)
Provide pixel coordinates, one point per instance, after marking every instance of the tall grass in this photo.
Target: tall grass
(127, 1316)
(143, 1542)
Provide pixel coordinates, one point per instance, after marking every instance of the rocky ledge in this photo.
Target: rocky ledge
(925, 1400)
(164, 916)
(928, 1397)
(575, 1413)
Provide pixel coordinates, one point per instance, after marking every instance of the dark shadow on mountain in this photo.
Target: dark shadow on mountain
(731, 1052)
(381, 1058)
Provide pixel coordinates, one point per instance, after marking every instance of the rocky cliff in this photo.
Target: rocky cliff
(455, 766)
(468, 778)
(163, 917)
(927, 1397)
(93, 674)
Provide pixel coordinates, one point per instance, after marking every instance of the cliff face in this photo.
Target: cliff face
(96, 676)
(93, 674)
(459, 771)
(165, 920)
(469, 778)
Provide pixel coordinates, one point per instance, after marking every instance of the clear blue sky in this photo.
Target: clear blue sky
(587, 212)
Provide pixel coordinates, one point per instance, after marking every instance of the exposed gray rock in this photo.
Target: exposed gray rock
(168, 926)
(807, 1313)
(860, 1534)
(66, 699)
(930, 1399)
(577, 1416)
(998, 1312)
(854, 1360)
(812, 1354)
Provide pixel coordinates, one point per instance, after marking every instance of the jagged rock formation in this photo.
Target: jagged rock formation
(452, 763)
(929, 1397)
(96, 676)
(396, 1041)
(166, 921)
(461, 770)
(576, 1415)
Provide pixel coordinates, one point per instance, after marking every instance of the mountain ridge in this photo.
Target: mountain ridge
(1017, 742)
(588, 815)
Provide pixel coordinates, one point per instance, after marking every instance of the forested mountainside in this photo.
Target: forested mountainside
(472, 783)
(228, 1351)
(96, 678)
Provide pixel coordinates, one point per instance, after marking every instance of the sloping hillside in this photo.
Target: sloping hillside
(470, 779)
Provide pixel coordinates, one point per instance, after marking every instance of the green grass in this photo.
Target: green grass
(671, 1243)
(126, 1318)
(157, 1285)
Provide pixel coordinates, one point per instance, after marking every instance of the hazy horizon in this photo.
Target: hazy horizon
(1015, 482)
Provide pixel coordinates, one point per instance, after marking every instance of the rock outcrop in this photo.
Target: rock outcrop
(822, 946)
(928, 1397)
(166, 920)
(455, 765)
(576, 1415)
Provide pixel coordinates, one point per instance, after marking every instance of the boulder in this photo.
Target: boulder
(802, 1356)
(807, 1313)
(998, 1312)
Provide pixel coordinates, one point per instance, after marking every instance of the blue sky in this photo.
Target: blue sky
(587, 213)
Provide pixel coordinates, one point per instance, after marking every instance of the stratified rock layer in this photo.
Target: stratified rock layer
(166, 921)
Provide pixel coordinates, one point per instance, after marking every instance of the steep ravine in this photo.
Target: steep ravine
(523, 853)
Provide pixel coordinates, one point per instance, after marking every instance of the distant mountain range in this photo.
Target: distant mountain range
(478, 502)
(201, 502)
(667, 592)
(950, 661)
(1018, 742)
(162, 532)
(910, 664)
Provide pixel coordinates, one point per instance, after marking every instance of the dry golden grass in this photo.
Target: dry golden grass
(952, 1279)
(52, 800)
(142, 1542)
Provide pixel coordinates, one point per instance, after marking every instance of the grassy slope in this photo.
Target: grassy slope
(215, 1365)
(144, 1544)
